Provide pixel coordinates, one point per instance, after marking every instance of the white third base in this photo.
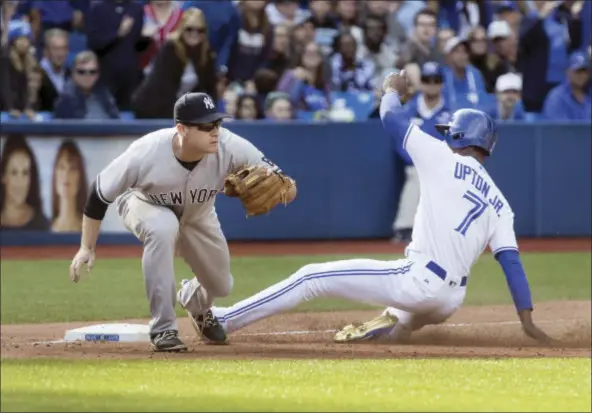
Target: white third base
(118, 333)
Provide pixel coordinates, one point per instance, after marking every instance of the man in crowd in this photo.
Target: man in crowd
(570, 100)
(55, 72)
(508, 92)
(83, 97)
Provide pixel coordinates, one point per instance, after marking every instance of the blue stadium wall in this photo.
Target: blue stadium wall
(349, 179)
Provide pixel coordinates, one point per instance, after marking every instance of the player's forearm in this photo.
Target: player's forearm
(516, 279)
(94, 212)
(90, 232)
(392, 114)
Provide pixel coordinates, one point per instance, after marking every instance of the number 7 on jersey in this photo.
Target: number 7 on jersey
(479, 207)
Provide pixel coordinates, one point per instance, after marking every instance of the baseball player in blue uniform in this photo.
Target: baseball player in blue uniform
(425, 109)
(461, 211)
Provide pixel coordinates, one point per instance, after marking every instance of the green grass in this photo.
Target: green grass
(40, 291)
(348, 385)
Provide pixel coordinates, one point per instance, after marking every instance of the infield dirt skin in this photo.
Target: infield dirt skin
(484, 331)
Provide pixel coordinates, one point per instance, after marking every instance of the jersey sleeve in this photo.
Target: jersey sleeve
(504, 237)
(120, 175)
(423, 149)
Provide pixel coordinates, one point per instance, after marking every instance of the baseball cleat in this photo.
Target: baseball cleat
(370, 329)
(209, 328)
(167, 341)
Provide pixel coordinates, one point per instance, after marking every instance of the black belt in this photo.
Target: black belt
(441, 272)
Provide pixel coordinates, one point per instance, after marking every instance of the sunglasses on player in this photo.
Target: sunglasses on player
(208, 127)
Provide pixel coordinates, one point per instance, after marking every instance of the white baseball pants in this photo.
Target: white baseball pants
(417, 286)
(408, 201)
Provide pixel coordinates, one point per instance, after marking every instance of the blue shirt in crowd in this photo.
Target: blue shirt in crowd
(561, 104)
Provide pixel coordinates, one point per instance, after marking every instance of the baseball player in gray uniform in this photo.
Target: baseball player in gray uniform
(164, 186)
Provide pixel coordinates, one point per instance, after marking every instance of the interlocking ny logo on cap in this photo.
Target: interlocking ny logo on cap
(209, 103)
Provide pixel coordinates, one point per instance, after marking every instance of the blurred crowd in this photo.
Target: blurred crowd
(294, 59)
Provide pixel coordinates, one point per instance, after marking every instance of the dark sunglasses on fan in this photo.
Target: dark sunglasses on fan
(208, 127)
(199, 30)
(431, 80)
(87, 71)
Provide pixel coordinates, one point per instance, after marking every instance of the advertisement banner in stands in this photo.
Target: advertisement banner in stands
(45, 181)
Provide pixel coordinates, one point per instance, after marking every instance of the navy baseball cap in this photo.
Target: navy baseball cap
(431, 69)
(197, 108)
(578, 60)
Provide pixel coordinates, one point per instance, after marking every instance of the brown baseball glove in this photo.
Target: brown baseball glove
(260, 188)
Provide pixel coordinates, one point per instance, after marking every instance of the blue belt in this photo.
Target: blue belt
(441, 272)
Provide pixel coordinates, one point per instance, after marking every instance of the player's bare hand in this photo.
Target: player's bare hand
(396, 81)
(82, 257)
(532, 331)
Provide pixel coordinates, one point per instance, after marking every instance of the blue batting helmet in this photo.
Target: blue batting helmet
(470, 127)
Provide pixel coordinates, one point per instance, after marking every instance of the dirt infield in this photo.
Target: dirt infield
(487, 331)
(472, 332)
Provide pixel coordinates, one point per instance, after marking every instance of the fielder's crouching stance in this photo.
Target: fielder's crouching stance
(165, 185)
(460, 212)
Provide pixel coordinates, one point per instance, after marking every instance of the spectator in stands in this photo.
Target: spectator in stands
(421, 46)
(83, 96)
(18, 64)
(228, 103)
(185, 63)
(570, 100)
(254, 41)
(247, 108)
(508, 90)
(347, 13)
(509, 12)
(67, 15)
(479, 55)
(464, 15)
(20, 195)
(69, 189)
(280, 57)
(505, 48)
(547, 35)
(463, 82)
(375, 47)
(278, 107)
(7, 11)
(114, 30)
(223, 26)
(287, 12)
(161, 17)
(400, 19)
(308, 83)
(349, 73)
(326, 24)
(426, 109)
(54, 71)
(34, 79)
(302, 34)
(443, 36)
(265, 81)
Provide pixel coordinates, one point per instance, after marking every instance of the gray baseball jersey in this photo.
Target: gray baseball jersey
(171, 209)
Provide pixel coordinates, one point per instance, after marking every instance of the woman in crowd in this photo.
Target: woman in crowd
(308, 83)
(348, 73)
(185, 63)
(161, 18)
(480, 56)
(20, 196)
(253, 45)
(69, 189)
(247, 108)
